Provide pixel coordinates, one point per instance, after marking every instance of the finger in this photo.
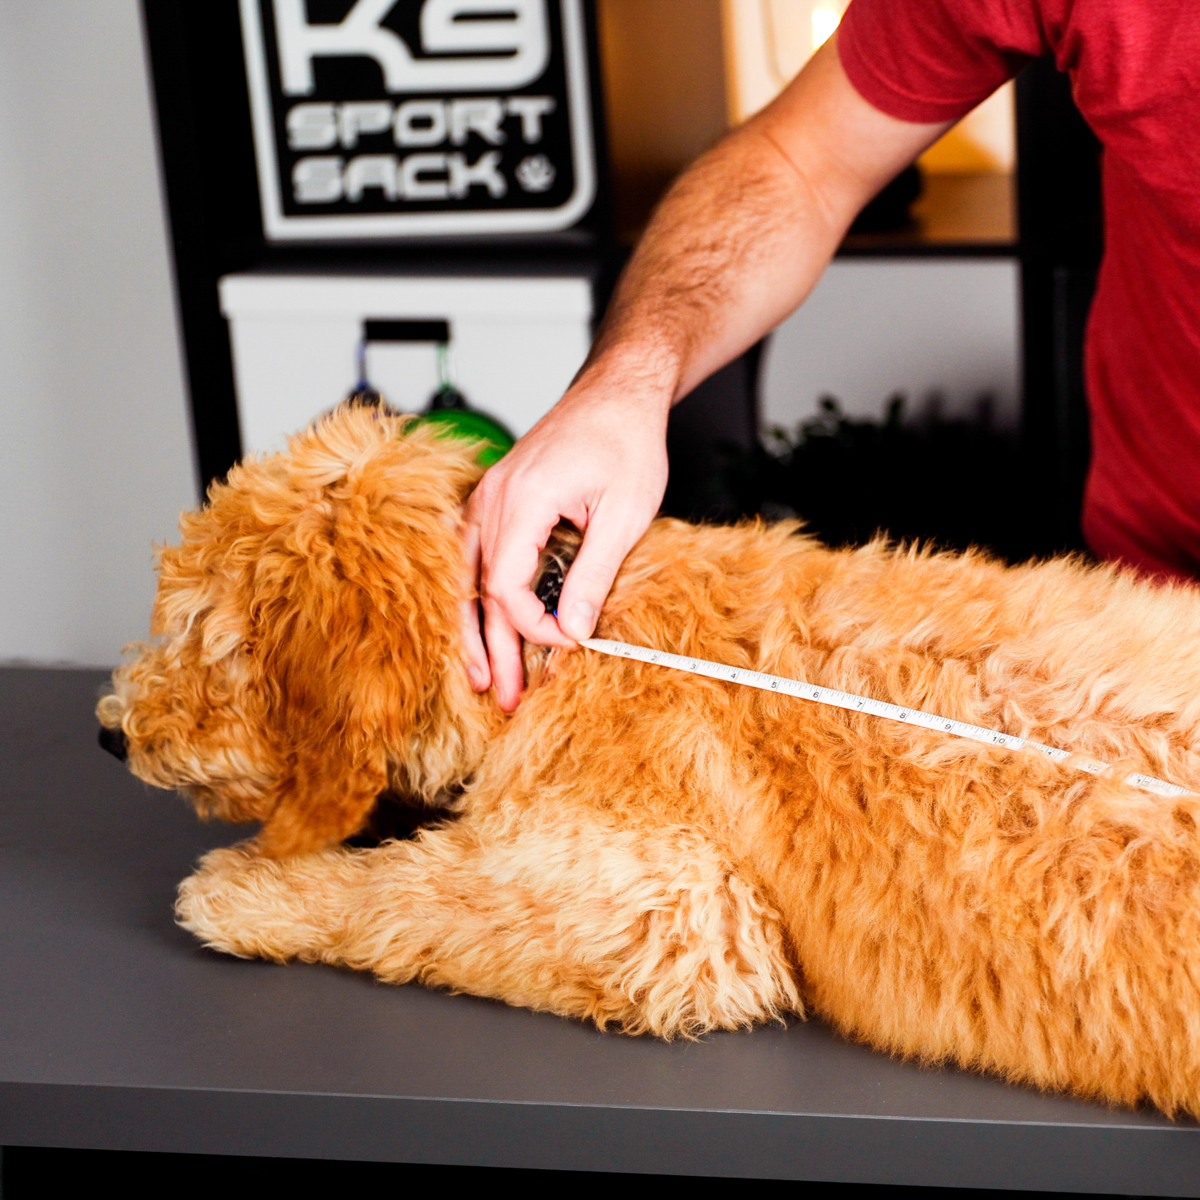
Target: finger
(508, 583)
(528, 616)
(474, 650)
(504, 649)
(590, 578)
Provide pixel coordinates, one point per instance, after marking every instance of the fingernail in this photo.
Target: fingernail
(475, 675)
(581, 620)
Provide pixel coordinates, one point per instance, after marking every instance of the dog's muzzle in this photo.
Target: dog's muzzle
(113, 740)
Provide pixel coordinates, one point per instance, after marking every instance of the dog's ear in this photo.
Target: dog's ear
(352, 629)
(324, 799)
(327, 651)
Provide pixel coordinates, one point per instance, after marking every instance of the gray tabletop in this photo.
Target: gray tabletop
(119, 1032)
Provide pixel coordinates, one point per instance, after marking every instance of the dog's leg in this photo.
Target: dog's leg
(651, 932)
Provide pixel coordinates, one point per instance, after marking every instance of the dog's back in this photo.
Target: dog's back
(943, 898)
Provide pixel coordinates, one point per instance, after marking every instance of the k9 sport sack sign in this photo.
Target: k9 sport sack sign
(395, 118)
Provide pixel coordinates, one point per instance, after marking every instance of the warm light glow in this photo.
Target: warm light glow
(824, 22)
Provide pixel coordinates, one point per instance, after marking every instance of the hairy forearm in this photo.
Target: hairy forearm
(736, 244)
(743, 236)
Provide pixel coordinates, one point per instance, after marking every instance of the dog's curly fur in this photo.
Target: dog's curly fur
(669, 853)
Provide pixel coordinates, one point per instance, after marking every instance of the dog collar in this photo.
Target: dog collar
(553, 564)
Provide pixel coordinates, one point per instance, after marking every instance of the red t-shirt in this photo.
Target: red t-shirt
(1135, 74)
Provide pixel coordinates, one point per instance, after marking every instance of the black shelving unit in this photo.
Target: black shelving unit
(1057, 238)
(1020, 498)
(1061, 222)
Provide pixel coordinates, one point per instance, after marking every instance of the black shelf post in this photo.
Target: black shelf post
(200, 231)
(1061, 241)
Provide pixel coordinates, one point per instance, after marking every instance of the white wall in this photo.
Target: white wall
(95, 456)
(873, 327)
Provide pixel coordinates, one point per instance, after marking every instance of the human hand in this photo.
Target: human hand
(598, 459)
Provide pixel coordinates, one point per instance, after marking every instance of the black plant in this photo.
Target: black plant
(955, 482)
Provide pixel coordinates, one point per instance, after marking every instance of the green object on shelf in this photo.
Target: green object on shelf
(470, 425)
(448, 408)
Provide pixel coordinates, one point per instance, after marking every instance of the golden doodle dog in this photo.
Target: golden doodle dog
(667, 853)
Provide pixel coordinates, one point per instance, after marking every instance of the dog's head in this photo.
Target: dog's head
(307, 654)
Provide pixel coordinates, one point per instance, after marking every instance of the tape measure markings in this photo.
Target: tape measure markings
(877, 708)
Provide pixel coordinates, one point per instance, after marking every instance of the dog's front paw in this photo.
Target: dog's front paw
(216, 902)
(242, 903)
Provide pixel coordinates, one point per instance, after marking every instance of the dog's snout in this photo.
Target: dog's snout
(113, 740)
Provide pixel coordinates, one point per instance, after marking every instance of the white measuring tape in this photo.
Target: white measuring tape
(877, 708)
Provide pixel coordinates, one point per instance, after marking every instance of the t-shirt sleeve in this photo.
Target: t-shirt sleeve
(935, 60)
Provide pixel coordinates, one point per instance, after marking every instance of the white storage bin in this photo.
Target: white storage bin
(515, 344)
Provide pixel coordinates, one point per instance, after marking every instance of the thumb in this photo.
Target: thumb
(586, 587)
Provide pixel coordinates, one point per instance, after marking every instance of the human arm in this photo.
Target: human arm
(737, 243)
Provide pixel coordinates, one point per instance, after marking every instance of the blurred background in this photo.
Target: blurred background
(218, 219)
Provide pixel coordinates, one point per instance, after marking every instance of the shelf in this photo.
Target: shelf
(956, 215)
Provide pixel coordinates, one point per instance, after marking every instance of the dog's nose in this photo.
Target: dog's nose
(113, 740)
